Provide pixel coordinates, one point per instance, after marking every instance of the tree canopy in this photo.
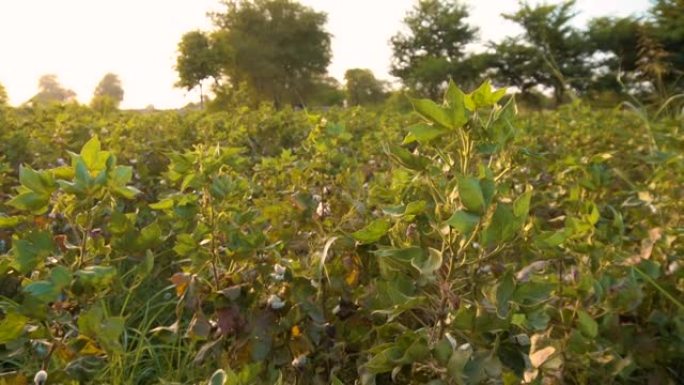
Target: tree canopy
(51, 90)
(196, 61)
(109, 93)
(362, 87)
(433, 49)
(278, 49)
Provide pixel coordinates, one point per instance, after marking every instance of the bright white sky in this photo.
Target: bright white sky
(81, 40)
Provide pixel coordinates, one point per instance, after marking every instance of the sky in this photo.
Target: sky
(81, 40)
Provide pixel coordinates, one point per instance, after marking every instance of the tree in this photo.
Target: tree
(668, 29)
(434, 48)
(196, 61)
(363, 88)
(108, 94)
(3, 95)
(517, 65)
(326, 92)
(617, 41)
(561, 46)
(50, 91)
(278, 48)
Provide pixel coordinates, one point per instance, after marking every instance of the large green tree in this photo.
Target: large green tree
(616, 39)
(197, 60)
(50, 90)
(668, 29)
(561, 46)
(362, 88)
(108, 94)
(277, 48)
(433, 48)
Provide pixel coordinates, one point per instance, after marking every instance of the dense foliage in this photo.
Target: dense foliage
(457, 244)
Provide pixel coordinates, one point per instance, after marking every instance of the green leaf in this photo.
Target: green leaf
(106, 330)
(413, 208)
(521, 206)
(432, 112)
(40, 183)
(408, 160)
(218, 378)
(9, 222)
(458, 105)
(30, 201)
(502, 227)
(471, 194)
(373, 231)
(427, 267)
(164, 204)
(30, 250)
(43, 291)
(12, 327)
(423, 133)
(504, 293)
(463, 221)
(587, 325)
(550, 239)
(443, 351)
(121, 175)
(98, 277)
(484, 97)
(94, 159)
(60, 276)
(149, 237)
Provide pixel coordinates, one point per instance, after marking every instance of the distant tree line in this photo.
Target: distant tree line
(107, 95)
(279, 51)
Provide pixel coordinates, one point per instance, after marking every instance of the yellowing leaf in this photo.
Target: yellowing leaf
(538, 358)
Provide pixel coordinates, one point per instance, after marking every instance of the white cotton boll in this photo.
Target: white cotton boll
(299, 361)
(40, 378)
(278, 272)
(275, 303)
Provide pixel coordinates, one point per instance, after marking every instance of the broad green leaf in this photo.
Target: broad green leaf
(218, 378)
(458, 105)
(12, 327)
(60, 276)
(149, 237)
(30, 201)
(443, 351)
(550, 239)
(433, 112)
(521, 206)
(504, 293)
(9, 222)
(408, 160)
(413, 208)
(31, 250)
(164, 204)
(98, 277)
(463, 221)
(427, 267)
(502, 227)
(586, 324)
(373, 231)
(423, 133)
(36, 181)
(471, 194)
(43, 291)
(93, 157)
(484, 97)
